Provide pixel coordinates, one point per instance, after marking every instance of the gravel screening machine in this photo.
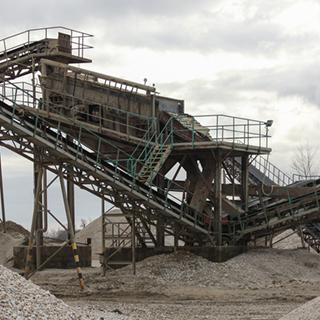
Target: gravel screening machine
(201, 182)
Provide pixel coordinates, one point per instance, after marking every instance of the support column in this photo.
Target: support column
(70, 192)
(245, 182)
(71, 201)
(103, 237)
(38, 187)
(160, 232)
(133, 242)
(176, 236)
(2, 200)
(160, 236)
(218, 199)
(33, 228)
(203, 185)
(71, 230)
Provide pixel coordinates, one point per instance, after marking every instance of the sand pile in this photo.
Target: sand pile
(308, 311)
(94, 231)
(292, 240)
(21, 299)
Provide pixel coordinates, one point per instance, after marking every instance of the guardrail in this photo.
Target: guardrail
(26, 38)
(23, 93)
(299, 177)
(271, 171)
(224, 128)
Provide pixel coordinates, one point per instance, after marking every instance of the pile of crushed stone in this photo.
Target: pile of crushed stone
(21, 299)
(15, 229)
(287, 240)
(258, 268)
(308, 311)
(16, 235)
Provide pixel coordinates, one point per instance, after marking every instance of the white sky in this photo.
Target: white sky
(251, 58)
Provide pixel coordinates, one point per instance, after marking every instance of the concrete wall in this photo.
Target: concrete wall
(63, 260)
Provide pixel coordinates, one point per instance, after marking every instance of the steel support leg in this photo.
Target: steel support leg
(245, 182)
(218, 199)
(2, 199)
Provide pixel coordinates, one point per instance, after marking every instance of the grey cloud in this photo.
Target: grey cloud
(167, 25)
(289, 80)
(228, 87)
(83, 13)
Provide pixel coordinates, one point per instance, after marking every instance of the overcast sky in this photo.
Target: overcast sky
(249, 58)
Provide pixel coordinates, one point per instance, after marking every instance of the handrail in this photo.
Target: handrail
(79, 45)
(45, 28)
(224, 128)
(300, 177)
(25, 95)
(275, 174)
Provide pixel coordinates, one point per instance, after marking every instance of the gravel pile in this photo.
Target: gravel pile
(308, 311)
(291, 241)
(21, 299)
(15, 229)
(262, 268)
(16, 235)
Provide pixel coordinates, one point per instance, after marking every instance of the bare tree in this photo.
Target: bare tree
(83, 223)
(304, 162)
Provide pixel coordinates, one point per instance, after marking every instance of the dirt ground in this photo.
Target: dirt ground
(251, 286)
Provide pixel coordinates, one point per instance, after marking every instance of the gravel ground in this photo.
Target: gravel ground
(200, 310)
(21, 299)
(260, 284)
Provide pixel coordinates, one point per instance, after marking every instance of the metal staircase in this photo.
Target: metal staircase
(154, 163)
(260, 171)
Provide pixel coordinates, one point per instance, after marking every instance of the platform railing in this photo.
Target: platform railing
(300, 177)
(23, 94)
(224, 128)
(26, 38)
(271, 171)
